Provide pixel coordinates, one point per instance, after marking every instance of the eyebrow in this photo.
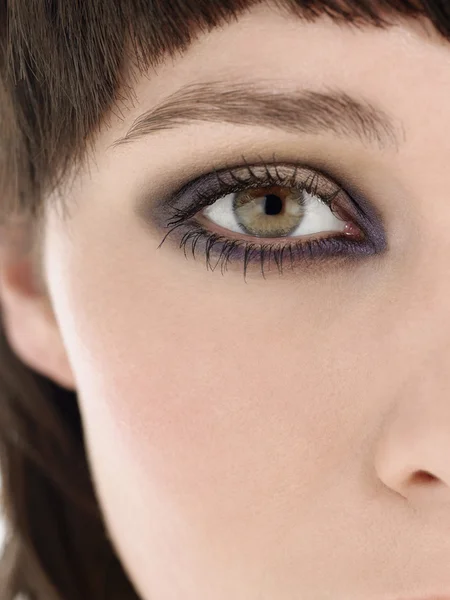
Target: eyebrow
(304, 111)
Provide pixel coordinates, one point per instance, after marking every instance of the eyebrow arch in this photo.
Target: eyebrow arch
(303, 111)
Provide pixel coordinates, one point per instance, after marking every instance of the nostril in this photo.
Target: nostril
(424, 477)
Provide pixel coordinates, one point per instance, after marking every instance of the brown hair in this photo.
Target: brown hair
(61, 74)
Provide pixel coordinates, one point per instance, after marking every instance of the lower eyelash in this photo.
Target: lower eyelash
(224, 251)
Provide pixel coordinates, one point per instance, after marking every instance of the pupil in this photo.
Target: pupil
(273, 204)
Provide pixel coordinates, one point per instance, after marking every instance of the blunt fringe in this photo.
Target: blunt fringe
(65, 66)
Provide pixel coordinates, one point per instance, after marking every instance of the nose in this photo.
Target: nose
(412, 455)
(413, 448)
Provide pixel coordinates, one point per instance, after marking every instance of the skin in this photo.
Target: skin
(262, 441)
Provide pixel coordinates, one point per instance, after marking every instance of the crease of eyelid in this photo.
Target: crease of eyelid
(244, 103)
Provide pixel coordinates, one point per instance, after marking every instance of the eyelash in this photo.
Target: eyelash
(232, 250)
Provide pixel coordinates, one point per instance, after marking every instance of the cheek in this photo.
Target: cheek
(210, 407)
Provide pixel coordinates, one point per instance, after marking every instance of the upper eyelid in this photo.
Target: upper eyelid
(229, 174)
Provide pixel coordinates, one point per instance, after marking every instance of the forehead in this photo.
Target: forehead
(169, 29)
(268, 49)
(183, 19)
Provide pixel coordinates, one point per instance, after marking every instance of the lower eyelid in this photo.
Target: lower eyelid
(316, 256)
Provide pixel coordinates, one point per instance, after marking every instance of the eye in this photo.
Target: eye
(254, 213)
(277, 211)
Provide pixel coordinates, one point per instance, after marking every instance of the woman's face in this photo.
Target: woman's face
(282, 437)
